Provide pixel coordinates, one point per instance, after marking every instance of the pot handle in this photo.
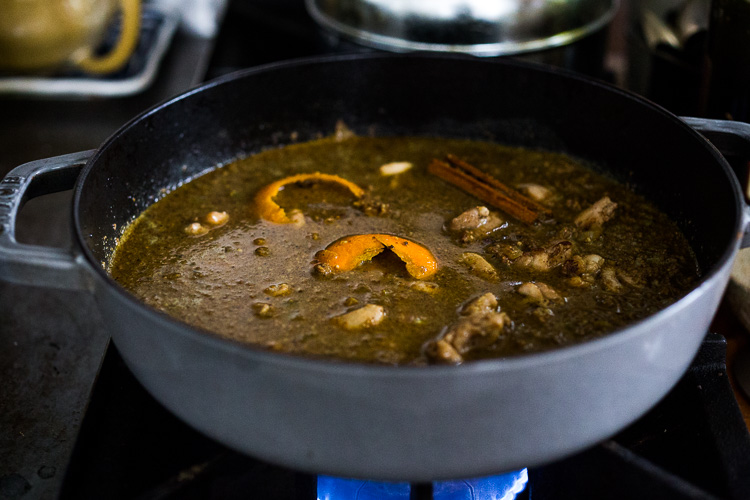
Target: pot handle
(732, 139)
(31, 264)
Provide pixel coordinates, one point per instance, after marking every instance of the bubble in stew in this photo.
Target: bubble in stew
(405, 251)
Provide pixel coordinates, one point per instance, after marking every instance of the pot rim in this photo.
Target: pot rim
(561, 354)
(361, 25)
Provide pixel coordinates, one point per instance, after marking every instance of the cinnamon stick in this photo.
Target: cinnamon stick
(488, 189)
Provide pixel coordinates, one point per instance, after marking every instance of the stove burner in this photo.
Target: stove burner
(501, 487)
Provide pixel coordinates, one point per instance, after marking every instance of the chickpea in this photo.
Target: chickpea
(196, 229)
(395, 168)
(263, 310)
(217, 218)
(364, 317)
(278, 290)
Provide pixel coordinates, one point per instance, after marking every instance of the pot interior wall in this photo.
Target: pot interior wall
(459, 97)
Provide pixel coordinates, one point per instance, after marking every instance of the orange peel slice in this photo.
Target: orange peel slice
(269, 210)
(349, 252)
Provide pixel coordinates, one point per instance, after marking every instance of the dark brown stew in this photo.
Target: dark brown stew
(412, 269)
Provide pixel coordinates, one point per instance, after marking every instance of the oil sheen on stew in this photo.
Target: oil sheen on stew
(364, 249)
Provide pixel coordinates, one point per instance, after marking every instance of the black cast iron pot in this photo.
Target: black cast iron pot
(406, 423)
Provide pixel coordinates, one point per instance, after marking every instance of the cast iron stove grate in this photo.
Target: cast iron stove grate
(693, 445)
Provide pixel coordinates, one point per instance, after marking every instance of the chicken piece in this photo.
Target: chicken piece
(610, 281)
(475, 223)
(558, 252)
(578, 282)
(615, 279)
(597, 214)
(478, 265)
(544, 259)
(539, 293)
(532, 292)
(536, 259)
(476, 330)
(441, 351)
(483, 304)
(579, 265)
(629, 279)
(592, 263)
(473, 218)
(582, 270)
(506, 252)
(480, 325)
(549, 292)
(364, 317)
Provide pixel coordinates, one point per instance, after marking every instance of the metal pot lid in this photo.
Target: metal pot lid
(476, 27)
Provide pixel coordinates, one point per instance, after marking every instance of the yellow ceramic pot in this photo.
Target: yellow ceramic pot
(45, 35)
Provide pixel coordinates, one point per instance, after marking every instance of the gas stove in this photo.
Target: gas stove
(78, 425)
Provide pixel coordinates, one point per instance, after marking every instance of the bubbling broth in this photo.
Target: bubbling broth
(387, 250)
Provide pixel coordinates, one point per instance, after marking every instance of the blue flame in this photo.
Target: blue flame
(501, 487)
